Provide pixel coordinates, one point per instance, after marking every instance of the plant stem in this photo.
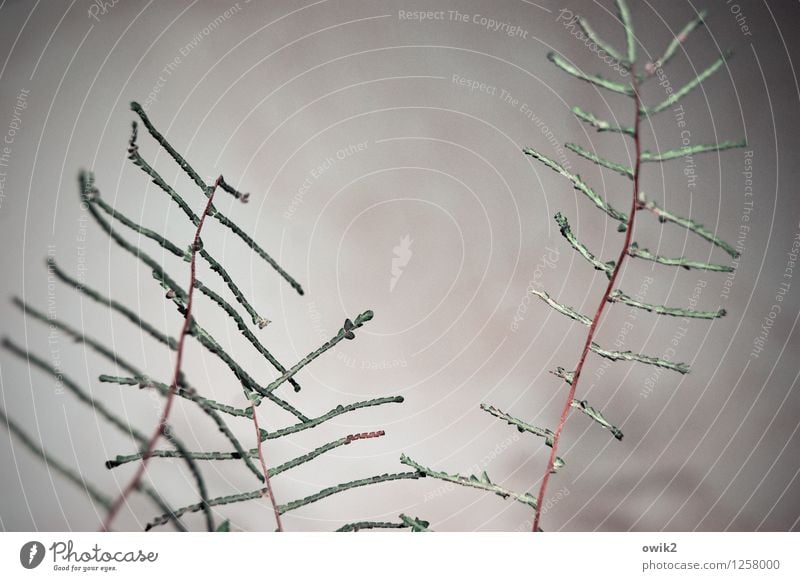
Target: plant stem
(159, 430)
(601, 307)
(267, 484)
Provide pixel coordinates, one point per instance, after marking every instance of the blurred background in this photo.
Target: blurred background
(383, 156)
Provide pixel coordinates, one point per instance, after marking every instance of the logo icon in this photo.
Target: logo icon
(31, 554)
(402, 255)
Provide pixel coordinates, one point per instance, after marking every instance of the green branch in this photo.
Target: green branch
(627, 22)
(208, 406)
(75, 477)
(666, 216)
(122, 459)
(102, 410)
(248, 334)
(241, 196)
(250, 385)
(522, 426)
(563, 224)
(242, 497)
(185, 390)
(601, 44)
(568, 376)
(596, 80)
(631, 356)
(368, 525)
(218, 501)
(563, 309)
(138, 161)
(600, 124)
(78, 479)
(222, 303)
(178, 296)
(482, 483)
(295, 504)
(679, 39)
(219, 456)
(579, 185)
(187, 393)
(687, 88)
(692, 150)
(78, 391)
(337, 411)
(594, 158)
(184, 165)
(111, 417)
(619, 296)
(194, 219)
(545, 433)
(257, 319)
(87, 193)
(415, 524)
(346, 332)
(112, 304)
(219, 216)
(644, 253)
(117, 360)
(74, 334)
(584, 406)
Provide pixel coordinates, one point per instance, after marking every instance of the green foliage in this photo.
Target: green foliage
(113, 222)
(629, 248)
(481, 482)
(255, 393)
(416, 525)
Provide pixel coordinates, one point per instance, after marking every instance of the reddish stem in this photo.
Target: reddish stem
(266, 472)
(162, 423)
(600, 308)
(364, 436)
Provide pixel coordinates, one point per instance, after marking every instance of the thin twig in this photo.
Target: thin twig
(288, 465)
(213, 212)
(611, 282)
(267, 483)
(159, 430)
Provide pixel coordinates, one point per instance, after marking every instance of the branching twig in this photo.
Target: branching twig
(267, 483)
(609, 288)
(159, 430)
(629, 248)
